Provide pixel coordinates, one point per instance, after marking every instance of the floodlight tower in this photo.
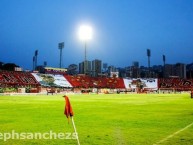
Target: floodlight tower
(164, 62)
(36, 58)
(33, 62)
(61, 46)
(85, 34)
(148, 55)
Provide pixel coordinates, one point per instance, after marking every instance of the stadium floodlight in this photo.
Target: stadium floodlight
(85, 34)
(36, 58)
(60, 47)
(148, 55)
(164, 63)
(34, 62)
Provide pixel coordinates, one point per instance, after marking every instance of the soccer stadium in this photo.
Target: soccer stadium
(106, 110)
(104, 72)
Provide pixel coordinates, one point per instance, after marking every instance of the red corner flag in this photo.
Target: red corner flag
(68, 108)
(69, 114)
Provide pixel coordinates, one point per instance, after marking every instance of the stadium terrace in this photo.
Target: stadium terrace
(34, 82)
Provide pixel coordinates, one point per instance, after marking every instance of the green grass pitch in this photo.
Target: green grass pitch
(108, 119)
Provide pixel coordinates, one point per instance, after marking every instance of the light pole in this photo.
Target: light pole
(36, 58)
(164, 63)
(148, 55)
(33, 63)
(85, 34)
(61, 46)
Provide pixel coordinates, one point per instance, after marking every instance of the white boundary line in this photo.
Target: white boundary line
(175, 133)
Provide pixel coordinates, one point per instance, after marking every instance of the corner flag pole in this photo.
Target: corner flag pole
(75, 130)
(69, 114)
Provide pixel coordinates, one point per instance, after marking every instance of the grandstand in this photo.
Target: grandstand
(175, 84)
(17, 79)
(39, 82)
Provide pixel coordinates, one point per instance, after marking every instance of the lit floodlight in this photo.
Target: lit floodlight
(85, 32)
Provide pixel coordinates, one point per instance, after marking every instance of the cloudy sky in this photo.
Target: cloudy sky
(122, 31)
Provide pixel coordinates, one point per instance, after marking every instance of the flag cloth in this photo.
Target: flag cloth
(69, 113)
(68, 108)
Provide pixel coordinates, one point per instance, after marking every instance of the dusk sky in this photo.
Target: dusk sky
(122, 31)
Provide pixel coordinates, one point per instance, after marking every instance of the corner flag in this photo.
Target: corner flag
(68, 108)
(69, 114)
